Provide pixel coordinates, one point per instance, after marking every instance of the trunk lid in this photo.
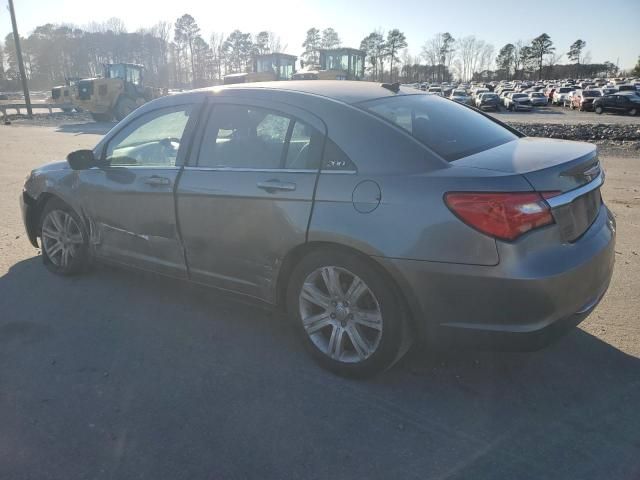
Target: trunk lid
(569, 169)
(548, 165)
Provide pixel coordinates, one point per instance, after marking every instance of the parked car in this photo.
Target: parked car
(584, 101)
(549, 94)
(488, 101)
(517, 101)
(477, 91)
(560, 95)
(460, 96)
(608, 90)
(435, 90)
(286, 194)
(503, 95)
(568, 99)
(618, 103)
(627, 87)
(538, 99)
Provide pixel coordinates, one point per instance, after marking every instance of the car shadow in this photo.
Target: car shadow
(134, 373)
(98, 128)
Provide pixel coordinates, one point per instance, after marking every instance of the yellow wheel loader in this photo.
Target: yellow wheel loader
(115, 95)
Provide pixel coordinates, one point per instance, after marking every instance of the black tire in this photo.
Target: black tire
(80, 261)
(101, 117)
(124, 107)
(598, 109)
(633, 112)
(392, 340)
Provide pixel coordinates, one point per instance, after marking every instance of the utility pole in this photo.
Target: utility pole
(23, 76)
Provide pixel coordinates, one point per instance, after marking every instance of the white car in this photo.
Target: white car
(517, 101)
(560, 94)
(566, 101)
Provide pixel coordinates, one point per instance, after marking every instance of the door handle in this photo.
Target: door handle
(273, 185)
(156, 181)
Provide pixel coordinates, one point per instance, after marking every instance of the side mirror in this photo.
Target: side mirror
(81, 159)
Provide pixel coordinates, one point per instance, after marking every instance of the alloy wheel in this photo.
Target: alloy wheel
(61, 238)
(340, 314)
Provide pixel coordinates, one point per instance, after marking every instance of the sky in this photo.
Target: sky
(565, 21)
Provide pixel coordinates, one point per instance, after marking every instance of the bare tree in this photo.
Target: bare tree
(275, 43)
(185, 33)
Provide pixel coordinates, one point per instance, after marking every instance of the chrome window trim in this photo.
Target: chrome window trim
(571, 195)
(269, 170)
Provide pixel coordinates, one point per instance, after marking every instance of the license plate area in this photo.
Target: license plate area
(575, 218)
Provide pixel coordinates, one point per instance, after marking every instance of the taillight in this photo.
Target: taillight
(505, 216)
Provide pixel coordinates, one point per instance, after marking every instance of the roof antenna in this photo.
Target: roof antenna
(394, 87)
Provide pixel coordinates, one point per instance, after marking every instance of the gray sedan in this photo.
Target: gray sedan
(377, 216)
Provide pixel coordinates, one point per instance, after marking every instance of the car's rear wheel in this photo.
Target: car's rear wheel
(63, 239)
(633, 112)
(598, 109)
(347, 313)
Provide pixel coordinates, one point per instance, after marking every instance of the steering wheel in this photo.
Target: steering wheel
(171, 143)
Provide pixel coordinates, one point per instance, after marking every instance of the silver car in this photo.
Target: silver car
(538, 99)
(377, 216)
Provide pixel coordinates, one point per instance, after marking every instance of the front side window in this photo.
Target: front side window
(448, 128)
(150, 140)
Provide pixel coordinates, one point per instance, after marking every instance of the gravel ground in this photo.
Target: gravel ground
(119, 375)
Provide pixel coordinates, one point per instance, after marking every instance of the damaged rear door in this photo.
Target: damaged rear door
(245, 199)
(130, 201)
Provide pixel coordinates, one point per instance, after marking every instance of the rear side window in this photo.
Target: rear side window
(451, 130)
(245, 137)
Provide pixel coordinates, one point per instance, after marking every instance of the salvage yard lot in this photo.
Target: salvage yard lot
(558, 114)
(123, 375)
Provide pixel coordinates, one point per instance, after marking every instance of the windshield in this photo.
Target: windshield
(537, 94)
(591, 93)
(459, 93)
(450, 129)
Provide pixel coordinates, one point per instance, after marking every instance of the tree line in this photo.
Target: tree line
(177, 55)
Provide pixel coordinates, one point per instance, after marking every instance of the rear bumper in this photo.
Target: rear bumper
(520, 304)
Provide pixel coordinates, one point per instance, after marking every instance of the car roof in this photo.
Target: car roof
(340, 90)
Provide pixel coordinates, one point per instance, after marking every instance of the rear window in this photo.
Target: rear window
(591, 93)
(450, 129)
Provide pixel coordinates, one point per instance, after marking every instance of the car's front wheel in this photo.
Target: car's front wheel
(347, 313)
(633, 112)
(63, 239)
(598, 109)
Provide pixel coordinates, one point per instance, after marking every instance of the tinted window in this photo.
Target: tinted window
(238, 136)
(451, 130)
(150, 140)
